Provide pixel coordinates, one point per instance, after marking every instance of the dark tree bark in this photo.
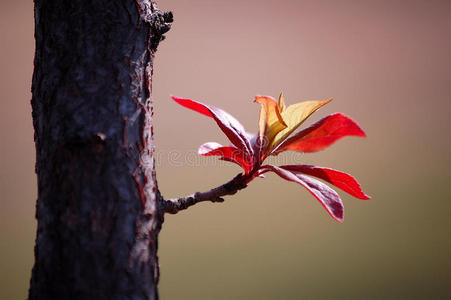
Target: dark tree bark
(99, 211)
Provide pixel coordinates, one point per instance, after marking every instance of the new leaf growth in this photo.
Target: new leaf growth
(277, 127)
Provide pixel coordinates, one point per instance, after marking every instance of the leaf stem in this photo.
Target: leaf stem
(175, 205)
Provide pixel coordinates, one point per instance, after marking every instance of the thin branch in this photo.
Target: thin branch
(173, 206)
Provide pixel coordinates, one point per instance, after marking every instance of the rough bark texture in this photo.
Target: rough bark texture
(99, 210)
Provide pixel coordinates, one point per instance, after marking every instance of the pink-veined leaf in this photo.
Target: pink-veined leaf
(339, 179)
(321, 134)
(328, 198)
(227, 153)
(228, 124)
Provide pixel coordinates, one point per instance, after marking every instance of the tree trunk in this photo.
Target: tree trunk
(99, 211)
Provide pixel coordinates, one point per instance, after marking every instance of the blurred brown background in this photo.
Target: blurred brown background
(386, 63)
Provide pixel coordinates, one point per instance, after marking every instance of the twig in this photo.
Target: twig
(173, 206)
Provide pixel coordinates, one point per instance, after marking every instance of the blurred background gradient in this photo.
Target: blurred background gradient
(388, 66)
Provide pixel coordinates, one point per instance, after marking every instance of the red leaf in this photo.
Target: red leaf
(341, 180)
(321, 134)
(228, 124)
(229, 153)
(328, 198)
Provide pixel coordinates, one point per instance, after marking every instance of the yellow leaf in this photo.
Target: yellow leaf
(281, 103)
(270, 121)
(294, 115)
